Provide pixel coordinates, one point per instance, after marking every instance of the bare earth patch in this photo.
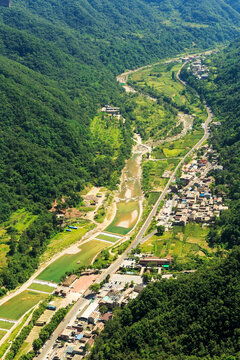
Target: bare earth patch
(129, 220)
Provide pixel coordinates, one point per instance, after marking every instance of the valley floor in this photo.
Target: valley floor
(132, 212)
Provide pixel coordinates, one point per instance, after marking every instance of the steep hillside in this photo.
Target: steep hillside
(192, 317)
(69, 52)
(222, 92)
(57, 67)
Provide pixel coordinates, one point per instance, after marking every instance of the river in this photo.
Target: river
(130, 196)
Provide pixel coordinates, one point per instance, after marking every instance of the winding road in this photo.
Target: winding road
(114, 266)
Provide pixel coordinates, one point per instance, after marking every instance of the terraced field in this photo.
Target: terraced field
(181, 243)
(41, 287)
(69, 262)
(177, 148)
(125, 219)
(109, 237)
(14, 308)
(6, 324)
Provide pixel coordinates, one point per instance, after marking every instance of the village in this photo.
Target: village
(192, 199)
(79, 335)
(199, 69)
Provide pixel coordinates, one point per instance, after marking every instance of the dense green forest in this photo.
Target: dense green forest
(221, 91)
(57, 67)
(193, 317)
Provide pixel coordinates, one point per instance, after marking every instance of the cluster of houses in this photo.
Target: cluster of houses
(199, 69)
(194, 201)
(79, 335)
(187, 58)
(111, 110)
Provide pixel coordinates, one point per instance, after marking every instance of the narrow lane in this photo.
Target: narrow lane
(114, 266)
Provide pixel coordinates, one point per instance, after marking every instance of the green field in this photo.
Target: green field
(14, 308)
(125, 219)
(41, 287)
(151, 119)
(65, 239)
(19, 220)
(153, 197)
(180, 242)
(152, 172)
(172, 152)
(65, 263)
(2, 333)
(5, 325)
(160, 78)
(108, 238)
(179, 147)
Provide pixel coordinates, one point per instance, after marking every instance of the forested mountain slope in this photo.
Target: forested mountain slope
(57, 67)
(221, 91)
(69, 52)
(193, 317)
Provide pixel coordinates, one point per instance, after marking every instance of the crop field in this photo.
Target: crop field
(69, 262)
(6, 324)
(152, 172)
(41, 287)
(65, 239)
(125, 219)
(181, 242)
(162, 78)
(178, 148)
(20, 220)
(108, 131)
(14, 308)
(151, 119)
(2, 333)
(108, 237)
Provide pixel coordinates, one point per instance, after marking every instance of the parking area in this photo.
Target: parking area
(124, 279)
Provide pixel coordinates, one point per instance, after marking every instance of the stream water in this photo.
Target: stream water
(130, 194)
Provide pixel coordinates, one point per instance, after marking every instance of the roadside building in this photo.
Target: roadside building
(105, 317)
(65, 335)
(93, 318)
(69, 280)
(156, 261)
(87, 313)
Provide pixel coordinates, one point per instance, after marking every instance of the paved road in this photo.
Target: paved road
(82, 302)
(114, 266)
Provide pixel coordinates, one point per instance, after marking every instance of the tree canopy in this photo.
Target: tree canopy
(192, 317)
